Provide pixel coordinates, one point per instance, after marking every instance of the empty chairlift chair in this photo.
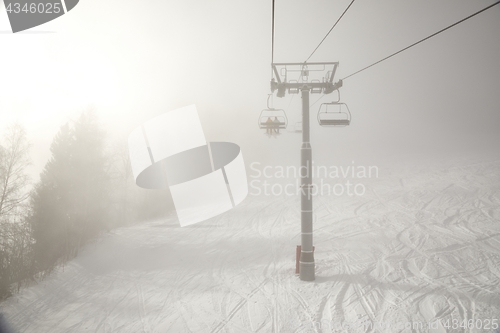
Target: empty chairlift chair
(277, 117)
(334, 114)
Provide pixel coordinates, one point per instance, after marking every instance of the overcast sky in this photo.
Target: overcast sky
(133, 60)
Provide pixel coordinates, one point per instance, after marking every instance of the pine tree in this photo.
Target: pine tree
(51, 204)
(91, 200)
(70, 204)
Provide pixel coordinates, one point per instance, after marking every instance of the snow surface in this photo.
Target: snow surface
(422, 244)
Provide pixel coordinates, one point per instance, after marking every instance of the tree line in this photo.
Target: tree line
(85, 188)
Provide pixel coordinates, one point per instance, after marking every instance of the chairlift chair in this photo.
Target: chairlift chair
(273, 114)
(334, 114)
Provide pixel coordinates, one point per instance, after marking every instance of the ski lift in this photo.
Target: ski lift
(334, 114)
(272, 119)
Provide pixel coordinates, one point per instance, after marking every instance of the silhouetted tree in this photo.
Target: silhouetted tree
(91, 200)
(123, 192)
(70, 204)
(14, 158)
(51, 203)
(15, 236)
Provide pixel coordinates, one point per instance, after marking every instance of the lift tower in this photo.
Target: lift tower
(287, 80)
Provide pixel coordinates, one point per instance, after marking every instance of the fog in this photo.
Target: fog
(134, 61)
(418, 242)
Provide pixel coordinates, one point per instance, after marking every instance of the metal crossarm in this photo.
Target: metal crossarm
(288, 77)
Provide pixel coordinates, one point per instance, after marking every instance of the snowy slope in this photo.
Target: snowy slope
(422, 244)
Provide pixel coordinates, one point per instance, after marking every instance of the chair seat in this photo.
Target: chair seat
(280, 125)
(334, 122)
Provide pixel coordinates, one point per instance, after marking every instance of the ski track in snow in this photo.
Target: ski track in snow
(417, 247)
